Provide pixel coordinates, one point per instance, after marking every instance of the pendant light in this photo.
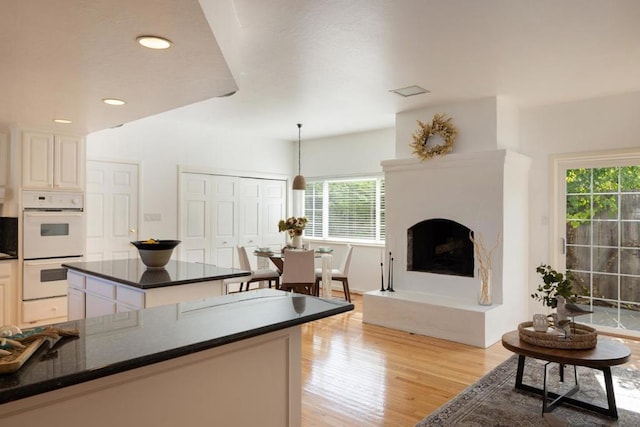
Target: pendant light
(299, 183)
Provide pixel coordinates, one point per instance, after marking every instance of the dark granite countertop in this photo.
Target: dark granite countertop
(133, 272)
(116, 343)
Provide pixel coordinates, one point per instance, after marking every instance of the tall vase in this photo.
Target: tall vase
(296, 241)
(484, 294)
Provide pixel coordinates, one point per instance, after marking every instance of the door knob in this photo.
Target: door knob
(132, 231)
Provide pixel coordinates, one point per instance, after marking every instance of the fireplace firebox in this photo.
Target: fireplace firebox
(440, 246)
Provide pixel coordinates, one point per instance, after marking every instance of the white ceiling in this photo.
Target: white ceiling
(327, 64)
(59, 59)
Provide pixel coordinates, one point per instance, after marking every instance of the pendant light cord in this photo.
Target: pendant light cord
(299, 154)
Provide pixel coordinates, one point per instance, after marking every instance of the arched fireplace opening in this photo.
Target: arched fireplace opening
(440, 246)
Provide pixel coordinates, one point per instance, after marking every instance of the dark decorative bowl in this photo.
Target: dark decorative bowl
(157, 254)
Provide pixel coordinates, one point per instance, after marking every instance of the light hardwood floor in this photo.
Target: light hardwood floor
(356, 374)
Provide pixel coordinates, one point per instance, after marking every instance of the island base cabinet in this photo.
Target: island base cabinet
(91, 296)
(254, 382)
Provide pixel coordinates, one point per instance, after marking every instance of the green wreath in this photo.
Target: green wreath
(440, 125)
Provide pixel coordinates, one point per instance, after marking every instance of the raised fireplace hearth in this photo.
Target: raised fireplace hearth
(431, 208)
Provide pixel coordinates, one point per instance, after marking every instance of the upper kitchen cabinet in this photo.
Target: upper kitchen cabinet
(52, 161)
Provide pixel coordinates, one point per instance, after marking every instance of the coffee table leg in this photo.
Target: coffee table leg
(520, 371)
(611, 397)
(611, 411)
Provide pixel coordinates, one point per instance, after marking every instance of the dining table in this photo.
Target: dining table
(277, 258)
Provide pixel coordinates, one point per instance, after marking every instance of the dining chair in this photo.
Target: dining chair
(338, 274)
(298, 272)
(258, 275)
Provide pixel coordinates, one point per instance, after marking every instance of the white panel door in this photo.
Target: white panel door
(219, 212)
(111, 210)
(249, 207)
(274, 199)
(224, 218)
(195, 227)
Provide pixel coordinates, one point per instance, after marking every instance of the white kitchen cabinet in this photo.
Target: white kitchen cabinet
(7, 291)
(197, 389)
(52, 161)
(103, 296)
(75, 304)
(99, 306)
(44, 311)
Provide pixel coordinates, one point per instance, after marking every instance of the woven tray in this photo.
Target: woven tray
(582, 337)
(10, 364)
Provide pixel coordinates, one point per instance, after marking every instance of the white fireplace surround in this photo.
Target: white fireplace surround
(486, 191)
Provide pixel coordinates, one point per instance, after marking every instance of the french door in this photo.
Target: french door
(598, 224)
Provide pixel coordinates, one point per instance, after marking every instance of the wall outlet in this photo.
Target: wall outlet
(152, 217)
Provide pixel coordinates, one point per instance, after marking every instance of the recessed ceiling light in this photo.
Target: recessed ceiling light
(154, 42)
(113, 101)
(409, 91)
(62, 121)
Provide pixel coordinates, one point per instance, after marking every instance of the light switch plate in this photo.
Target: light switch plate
(152, 217)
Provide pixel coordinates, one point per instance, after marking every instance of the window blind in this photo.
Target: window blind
(350, 209)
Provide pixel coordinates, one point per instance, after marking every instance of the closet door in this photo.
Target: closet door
(274, 208)
(195, 225)
(249, 207)
(224, 219)
(218, 213)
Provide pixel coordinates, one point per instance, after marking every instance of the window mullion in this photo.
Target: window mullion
(325, 209)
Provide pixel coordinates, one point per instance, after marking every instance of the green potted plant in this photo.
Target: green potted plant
(554, 284)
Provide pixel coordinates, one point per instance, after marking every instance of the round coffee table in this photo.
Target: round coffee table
(603, 356)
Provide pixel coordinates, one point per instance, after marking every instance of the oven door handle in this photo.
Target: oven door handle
(50, 214)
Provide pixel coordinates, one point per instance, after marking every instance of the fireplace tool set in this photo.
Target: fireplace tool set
(390, 276)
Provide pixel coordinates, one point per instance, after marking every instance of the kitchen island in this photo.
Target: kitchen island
(97, 288)
(229, 360)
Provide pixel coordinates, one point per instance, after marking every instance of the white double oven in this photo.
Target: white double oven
(53, 233)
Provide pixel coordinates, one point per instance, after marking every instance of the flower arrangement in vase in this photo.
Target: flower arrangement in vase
(294, 228)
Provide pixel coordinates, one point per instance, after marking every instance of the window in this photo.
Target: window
(345, 209)
(599, 207)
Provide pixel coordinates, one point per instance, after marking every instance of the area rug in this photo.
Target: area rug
(493, 400)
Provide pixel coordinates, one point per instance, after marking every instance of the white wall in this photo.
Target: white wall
(346, 155)
(161, 144)
(475, 120)
(349, 155)
(599, 124)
